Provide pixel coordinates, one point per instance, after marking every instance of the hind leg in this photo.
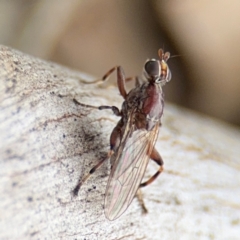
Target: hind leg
(155, 156)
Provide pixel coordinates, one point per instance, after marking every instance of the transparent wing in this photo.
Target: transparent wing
(128, 169)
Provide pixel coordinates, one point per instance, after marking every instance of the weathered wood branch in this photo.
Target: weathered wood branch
(47, 142)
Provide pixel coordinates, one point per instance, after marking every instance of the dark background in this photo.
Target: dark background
(93, 36)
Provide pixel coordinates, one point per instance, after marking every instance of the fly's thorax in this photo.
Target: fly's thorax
(133, 99)
(146, 101)
(153, 105)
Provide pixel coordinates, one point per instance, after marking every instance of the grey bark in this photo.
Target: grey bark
(47, 142)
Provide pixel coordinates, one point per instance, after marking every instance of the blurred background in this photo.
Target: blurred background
(93, 36)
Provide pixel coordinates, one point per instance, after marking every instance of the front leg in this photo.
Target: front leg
(121, 79)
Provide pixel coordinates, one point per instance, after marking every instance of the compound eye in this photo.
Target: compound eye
(152, 68)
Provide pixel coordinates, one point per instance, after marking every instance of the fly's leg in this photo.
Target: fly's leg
(138, 81)
(104, 78)
(121, 80)
(121, 86)
(82, 180)
(115, 110)
(141, 202)
(84, 105)
(120, 73)
(155, 156)
(114, 142)
(115, 136)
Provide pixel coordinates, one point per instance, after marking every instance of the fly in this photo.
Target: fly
(132, 141)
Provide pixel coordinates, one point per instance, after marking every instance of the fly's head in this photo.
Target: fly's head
(157, 71)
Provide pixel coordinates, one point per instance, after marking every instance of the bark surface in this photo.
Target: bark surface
(47, 142)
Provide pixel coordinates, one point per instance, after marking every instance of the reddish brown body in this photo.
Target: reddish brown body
(146, 102)
(132, 140)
